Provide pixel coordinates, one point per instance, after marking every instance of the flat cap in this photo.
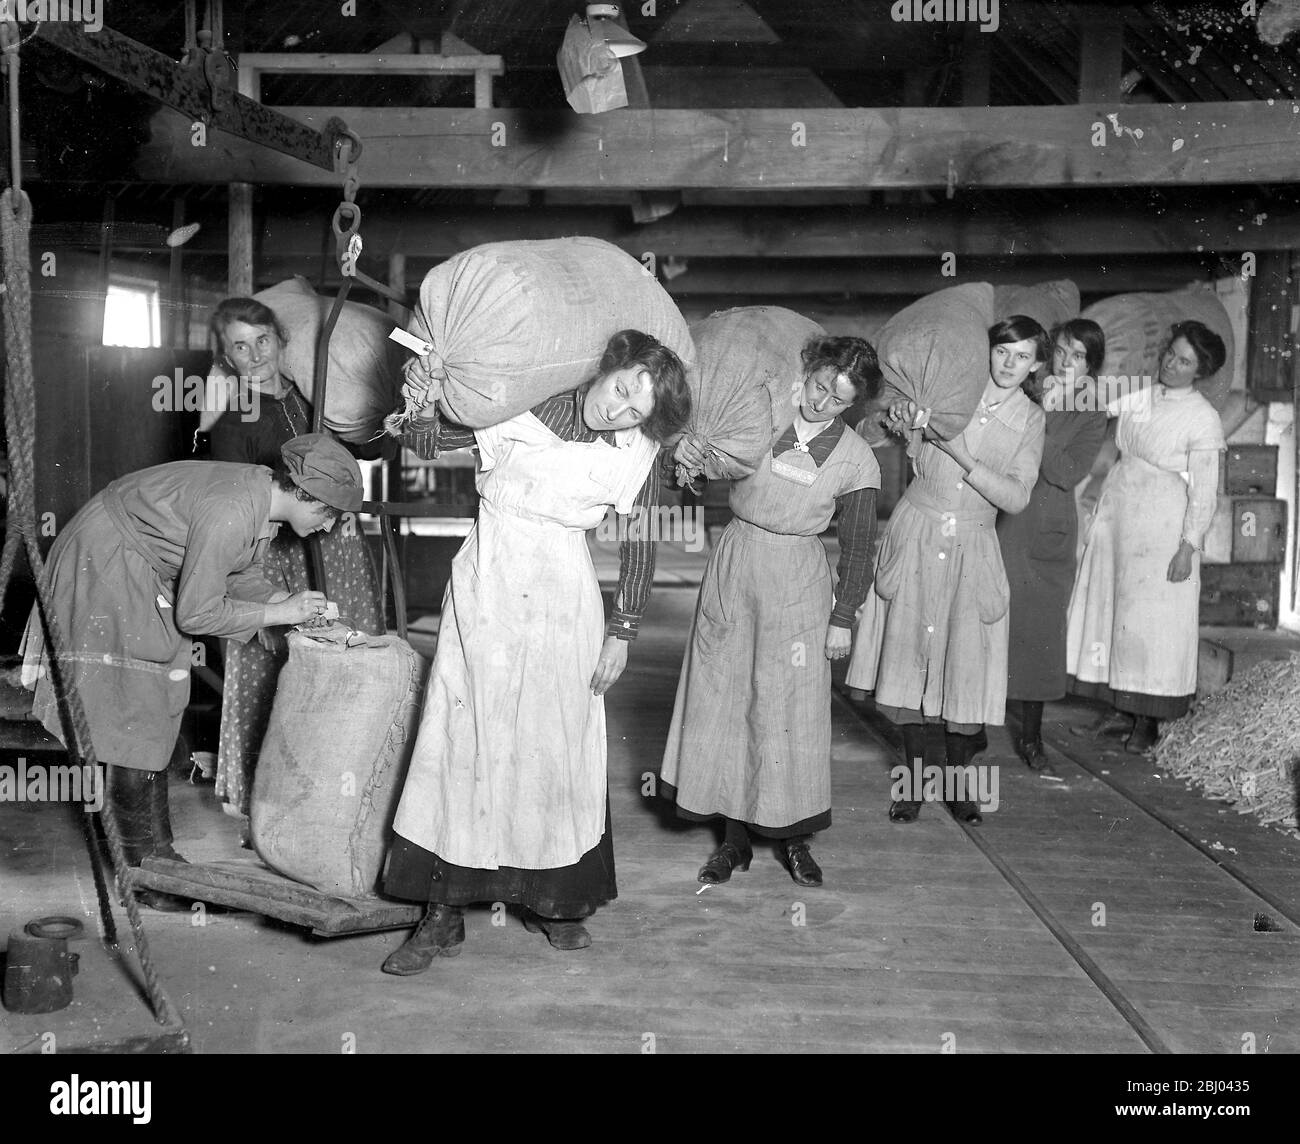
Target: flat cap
(319, 465)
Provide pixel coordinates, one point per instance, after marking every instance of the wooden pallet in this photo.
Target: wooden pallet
(246, 884)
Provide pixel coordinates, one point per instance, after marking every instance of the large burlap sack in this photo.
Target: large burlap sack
(1136, 327)
(334, 759)
(747, 384)
(1048, 303)
(936, 352)
(364, 383)
(513, 323)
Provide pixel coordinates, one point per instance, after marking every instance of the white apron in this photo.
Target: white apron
(509, 765)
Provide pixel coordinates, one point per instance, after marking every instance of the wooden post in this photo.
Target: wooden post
(1271, 345)
(240, 269)
(397, 280)
(975, 68)
(1101, 56)
(240, 274)
(177, 333)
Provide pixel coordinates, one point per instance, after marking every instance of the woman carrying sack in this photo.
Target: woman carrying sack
(506, 798)
(1133, 626)
(750, 740)
(932, 638)
(266, 411)
(156, 558)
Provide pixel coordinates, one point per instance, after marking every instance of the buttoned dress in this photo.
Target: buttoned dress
(157, 557)
(509, 768)
(1133, 635)
(932, 635)
(751, 731)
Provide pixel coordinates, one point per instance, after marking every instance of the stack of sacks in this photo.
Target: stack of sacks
(513, 323)
(1048, 303)
(334, 759)
(1136, 326)
(364, 383)
(746, 387)
(936, 352)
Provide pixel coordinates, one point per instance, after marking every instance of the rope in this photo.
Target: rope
(20, 414)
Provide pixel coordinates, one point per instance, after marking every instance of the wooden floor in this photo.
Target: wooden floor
(917, 943)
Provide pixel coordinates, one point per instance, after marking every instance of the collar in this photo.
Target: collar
(819, 448)
(1012, 410)
(1164, 393)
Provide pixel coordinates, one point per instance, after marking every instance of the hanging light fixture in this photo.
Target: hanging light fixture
(589, 57)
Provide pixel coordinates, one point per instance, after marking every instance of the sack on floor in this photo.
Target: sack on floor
(1048, 303)
(1136, 327)
(746, 387)
(334, 759)
(936, 352)
(364, 383)
(513, 323)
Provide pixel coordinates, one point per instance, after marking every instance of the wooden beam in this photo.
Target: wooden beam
(186, 91)
(364, 63)
(1213, 143)
(769, 277)
(825, 232)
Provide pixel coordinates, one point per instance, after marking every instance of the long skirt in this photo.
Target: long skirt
(252, 669)
(1133, 635)
(751, 731)
(576, 891)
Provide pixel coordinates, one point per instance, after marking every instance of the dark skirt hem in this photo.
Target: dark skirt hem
(811, 825)
(415, 874)
(1134, 702)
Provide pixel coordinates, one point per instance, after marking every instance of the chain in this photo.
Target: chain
(346, 223)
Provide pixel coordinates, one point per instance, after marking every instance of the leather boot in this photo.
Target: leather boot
(907, 809)
(134, 796)
(1146, 732)
(803, 866)
(160, 818)
(440, 933)
(960, 750)
(562, 933)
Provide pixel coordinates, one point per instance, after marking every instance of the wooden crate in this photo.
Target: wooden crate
(1258, 530)
(1240, 595)
(1249, 469)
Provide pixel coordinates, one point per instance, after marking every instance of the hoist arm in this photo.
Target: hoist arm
(192, 92)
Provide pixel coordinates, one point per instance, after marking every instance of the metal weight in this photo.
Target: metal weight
(39, 967)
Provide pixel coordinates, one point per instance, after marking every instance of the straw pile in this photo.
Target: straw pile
(1242, 744)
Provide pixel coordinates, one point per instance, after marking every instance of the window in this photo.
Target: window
(132, 314)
